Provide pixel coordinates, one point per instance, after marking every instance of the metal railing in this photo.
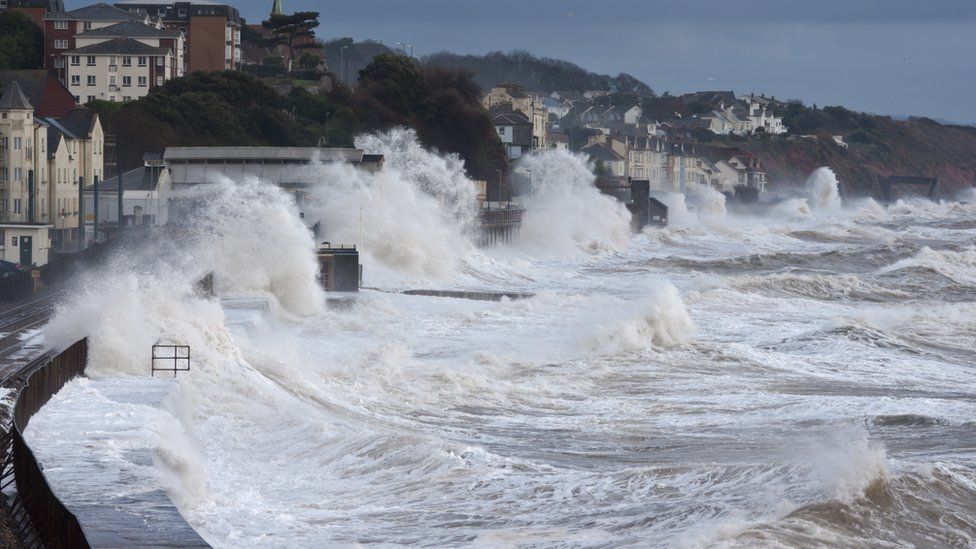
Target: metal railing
(170, 358)
(37, 513)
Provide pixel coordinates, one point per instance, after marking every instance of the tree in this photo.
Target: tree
(21, 42)
(309, 60)
(287, 28)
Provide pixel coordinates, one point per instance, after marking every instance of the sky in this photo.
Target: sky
(894, 57)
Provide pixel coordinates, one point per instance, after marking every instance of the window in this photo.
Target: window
(111, 80)
(143, 81)
(86, 26)
(182, 12)
(43, 142)
(90, 99)
(126, 61)
(16, 143)
(18, 174)
(61, 25)
(4, 142)
(159, 61)
(60, 44)
(91, 79)
(16, 209)
(75, 60)
(126, 99)
(111, 98)
(159, 80)
(126, 81)
(161, 11)
(3, 174)
(13, 239)
(90, 61)
(142, 61)
(59, 63)
(75, 80)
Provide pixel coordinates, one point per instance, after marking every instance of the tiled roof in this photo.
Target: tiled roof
(122, 46)
(13, 98)
(513, 118)
(130, 29)
(95, 12)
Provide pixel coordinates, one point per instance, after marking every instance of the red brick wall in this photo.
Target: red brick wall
(50, 35)
(207, 43)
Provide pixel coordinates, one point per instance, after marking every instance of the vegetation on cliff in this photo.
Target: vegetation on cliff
(235, 108)
(535, 73)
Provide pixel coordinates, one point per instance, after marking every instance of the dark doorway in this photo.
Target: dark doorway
(26, 251)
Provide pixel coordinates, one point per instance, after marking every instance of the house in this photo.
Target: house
(609, 155)
(212, 30)
(41, 162)
(61, 28)
(647, 160)
(43, 90)
(512, 97)
(34, 9)
(119, 69)
(722, 113)
(515, 132)
(140, 201)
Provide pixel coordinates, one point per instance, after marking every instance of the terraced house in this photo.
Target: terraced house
(41, 162)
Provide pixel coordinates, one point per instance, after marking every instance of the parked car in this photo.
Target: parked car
(8, 269)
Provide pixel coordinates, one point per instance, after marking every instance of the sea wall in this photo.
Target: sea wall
(39, 514)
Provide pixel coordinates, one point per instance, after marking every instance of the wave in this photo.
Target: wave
(956, 265)
(664, 322)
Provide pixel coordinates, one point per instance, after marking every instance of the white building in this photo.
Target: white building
(41, 161)
(120, 69)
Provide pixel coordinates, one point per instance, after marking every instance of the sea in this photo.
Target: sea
(793, 374)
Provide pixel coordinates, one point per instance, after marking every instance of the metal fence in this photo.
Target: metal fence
(38, 514)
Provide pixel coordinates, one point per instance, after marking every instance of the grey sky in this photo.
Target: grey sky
(884, 56)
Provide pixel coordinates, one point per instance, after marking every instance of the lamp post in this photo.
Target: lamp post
(499, 188)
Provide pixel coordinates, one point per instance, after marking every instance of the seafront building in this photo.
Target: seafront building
(41, 161)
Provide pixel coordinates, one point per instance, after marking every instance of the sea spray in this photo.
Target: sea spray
(565, 212)
(822, 185)
(663, 322)
(258, 244)
(413, 216)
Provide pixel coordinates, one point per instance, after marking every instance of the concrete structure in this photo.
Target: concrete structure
(140, 202)
(186, 168)
(212, 30)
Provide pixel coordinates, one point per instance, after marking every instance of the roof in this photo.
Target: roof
(300, 154)
(13, 98)
(77, 125)
(600, 151)
(122, 46)
(31, 82)
(94, 12)
(138, 179)
(130, 29)
(167, 2)
(513, 118)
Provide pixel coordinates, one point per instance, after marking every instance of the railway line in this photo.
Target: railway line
(15, 323)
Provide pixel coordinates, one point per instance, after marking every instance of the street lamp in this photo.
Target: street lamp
(499, 188)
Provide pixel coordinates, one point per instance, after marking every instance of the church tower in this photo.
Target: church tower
(276, 9)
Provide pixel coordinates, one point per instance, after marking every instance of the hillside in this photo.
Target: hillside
(878, 146)
(535, 73)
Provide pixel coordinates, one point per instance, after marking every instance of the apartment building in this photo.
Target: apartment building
(62, 28)
(213, 31)
(120, 69)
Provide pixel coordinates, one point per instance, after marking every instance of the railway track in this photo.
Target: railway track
(16, 321)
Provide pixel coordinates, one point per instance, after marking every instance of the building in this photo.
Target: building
(61, 28)
(119, 69)
(140, 202)
(609, 156)
(41, 162)
(34, 9)
(187, 168)
(43, 89)
(515, 132)
(511, 97)
(213, 31)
